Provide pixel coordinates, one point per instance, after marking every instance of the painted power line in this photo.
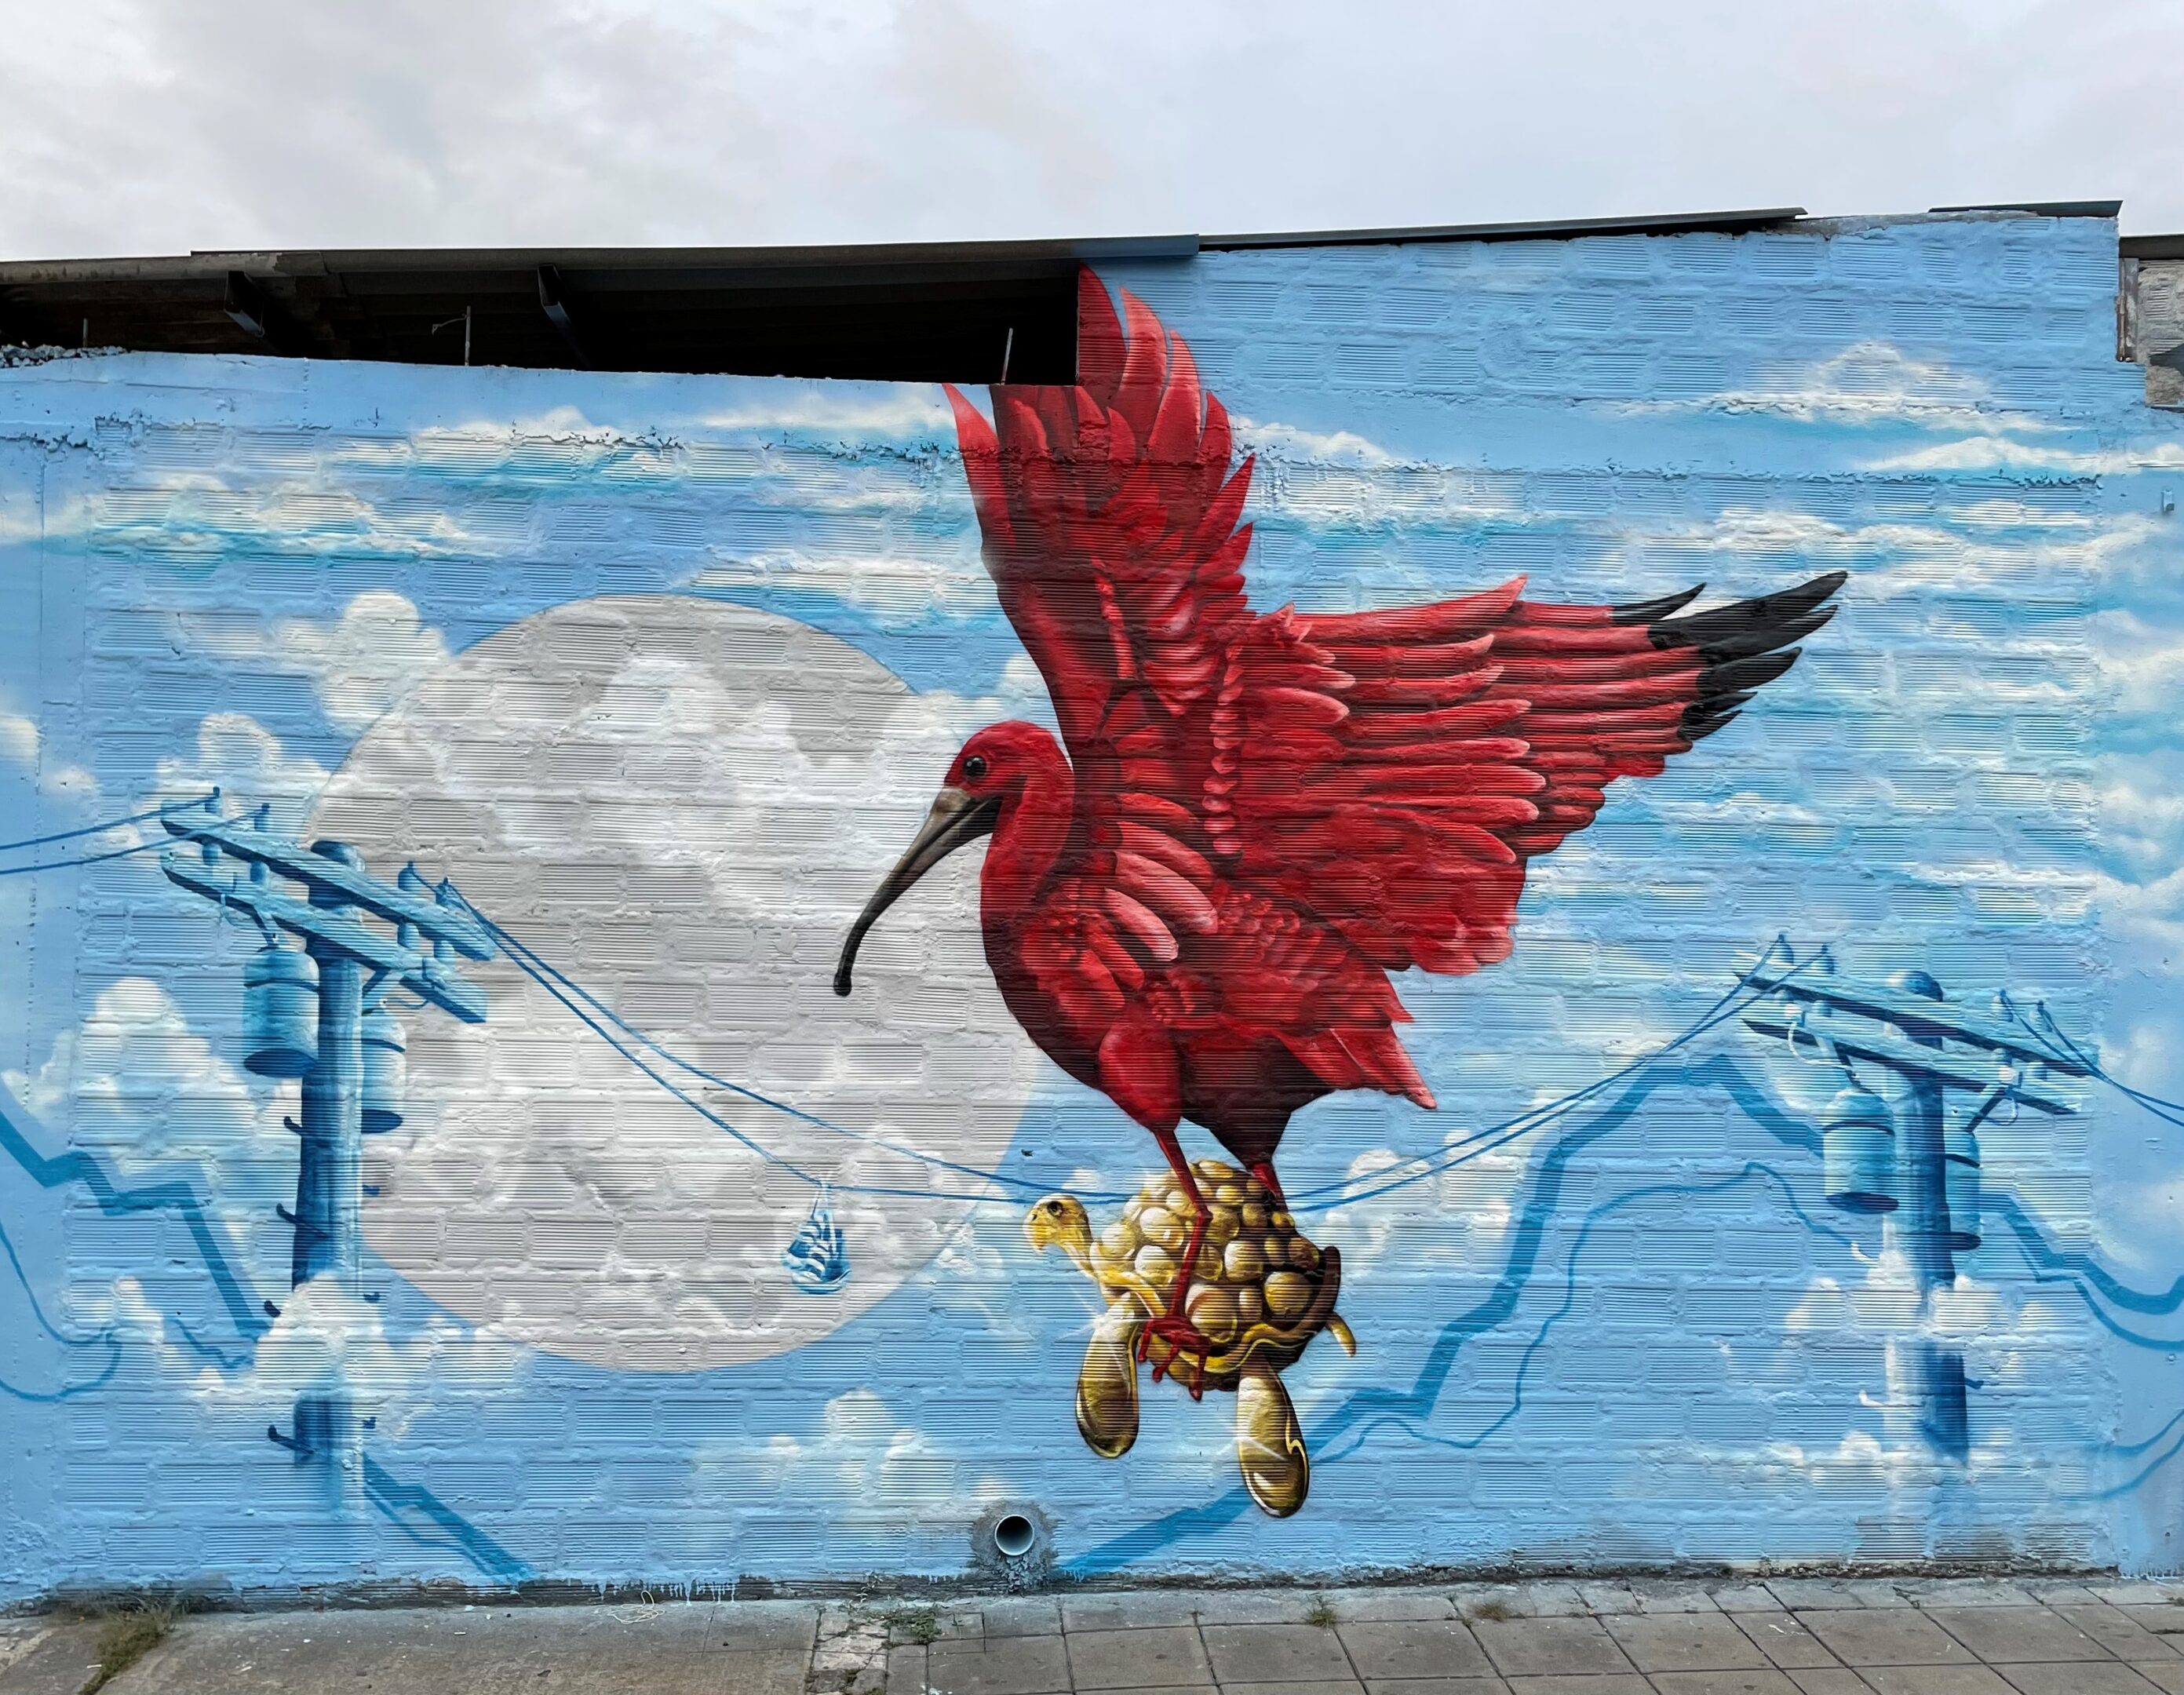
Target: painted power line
(317, 1014)
(1909, 1165)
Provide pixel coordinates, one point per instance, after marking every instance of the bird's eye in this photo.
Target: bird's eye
(974, 768)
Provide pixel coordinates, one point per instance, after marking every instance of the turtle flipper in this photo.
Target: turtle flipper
(1107, 1386)
(1270, 1443)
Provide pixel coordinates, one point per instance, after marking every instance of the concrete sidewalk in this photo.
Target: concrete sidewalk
(1780, 1636)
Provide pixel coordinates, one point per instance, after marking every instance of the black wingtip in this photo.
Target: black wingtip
(1745, 645)
(1652, 611)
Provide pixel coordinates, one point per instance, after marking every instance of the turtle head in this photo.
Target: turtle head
(1060, 1221)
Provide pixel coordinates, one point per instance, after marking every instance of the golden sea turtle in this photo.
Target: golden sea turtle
(1260, 1293)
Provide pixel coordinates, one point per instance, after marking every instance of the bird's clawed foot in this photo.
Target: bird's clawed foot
(1183, 1338)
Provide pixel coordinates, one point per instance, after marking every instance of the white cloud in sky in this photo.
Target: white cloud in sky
(2004, 453)
(248, 765)
(908, 586)
(1868, 382)
(861, 1469)
(360, 663)
(135, 1085)
(21, 742)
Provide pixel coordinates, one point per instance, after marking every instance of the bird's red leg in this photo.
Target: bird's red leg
(1264, 1171)
(1171, 1326)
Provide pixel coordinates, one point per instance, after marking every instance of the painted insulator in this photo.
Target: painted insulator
(280, 1012)
(1857, 1151)
(1961, 1183)
(386, 1070)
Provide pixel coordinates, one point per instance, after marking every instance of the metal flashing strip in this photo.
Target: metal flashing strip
(2047, 209)
(1556, 229)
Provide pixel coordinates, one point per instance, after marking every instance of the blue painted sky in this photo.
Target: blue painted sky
(227, 571)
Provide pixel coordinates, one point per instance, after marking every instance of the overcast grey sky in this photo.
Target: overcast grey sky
(160, 125)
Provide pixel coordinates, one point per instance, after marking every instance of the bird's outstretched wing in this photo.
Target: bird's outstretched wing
(1394, 770)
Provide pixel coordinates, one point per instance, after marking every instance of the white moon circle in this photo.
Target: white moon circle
(681, 804)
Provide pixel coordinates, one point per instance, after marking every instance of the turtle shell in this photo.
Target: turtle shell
(1260, 1292)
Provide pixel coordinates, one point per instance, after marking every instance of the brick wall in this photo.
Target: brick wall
(659, 674)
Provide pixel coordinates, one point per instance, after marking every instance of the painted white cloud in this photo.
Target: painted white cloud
(331, 1343)
(861, 1469)
(360, 663)
(21, 743)
(838, 410)
(247, 764)
(2004, 453)
(1871, 381)
(325, 1342)
(902, 587)
(135, 1084)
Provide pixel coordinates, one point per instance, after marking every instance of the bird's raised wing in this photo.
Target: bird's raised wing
(1393, 771)
(1111, 518)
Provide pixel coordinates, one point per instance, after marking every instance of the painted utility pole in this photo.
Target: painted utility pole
(1920, 1174)
(317, 1014)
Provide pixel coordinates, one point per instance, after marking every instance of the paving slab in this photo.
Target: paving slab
(1418, 1649)
(1158, 1656)
(1021, 1615)
(2007, 1635)
(998, 1665)
(1937, 1680)
(1328, 1686)
(1541, 1600)
(1744, 1682)
(50, 1658)
(1745, 1598)
(2119, 1633)
(1801, 1594)
(2081, 1679)
(1277, 1653)
(2162, 1618)
(1931, 1592)
(1256, 1606)
(2168, 1678)
(17, 1636)
(1899, 1636)
(1436, 1686)
(1136, 1609)
(1396, 1606)
(1839, 1680)
(1582, 1683)
(695, 1648)
(905, 1671)
(1786, 1644)
(1684, 1642)
(1549, 1647)
(1667, 1595)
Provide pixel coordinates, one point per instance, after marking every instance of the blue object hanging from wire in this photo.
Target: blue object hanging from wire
(818, 1259)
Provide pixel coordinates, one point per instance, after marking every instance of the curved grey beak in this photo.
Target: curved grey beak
(957, 817)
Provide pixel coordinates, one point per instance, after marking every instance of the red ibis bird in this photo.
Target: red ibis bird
(1192, 901)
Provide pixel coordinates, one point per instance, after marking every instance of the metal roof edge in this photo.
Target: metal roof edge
(1656, 224)
(2046, 208)
(2152, 247)
(211, 263)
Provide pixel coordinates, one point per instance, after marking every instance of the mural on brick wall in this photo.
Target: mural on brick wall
(511, 1072)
